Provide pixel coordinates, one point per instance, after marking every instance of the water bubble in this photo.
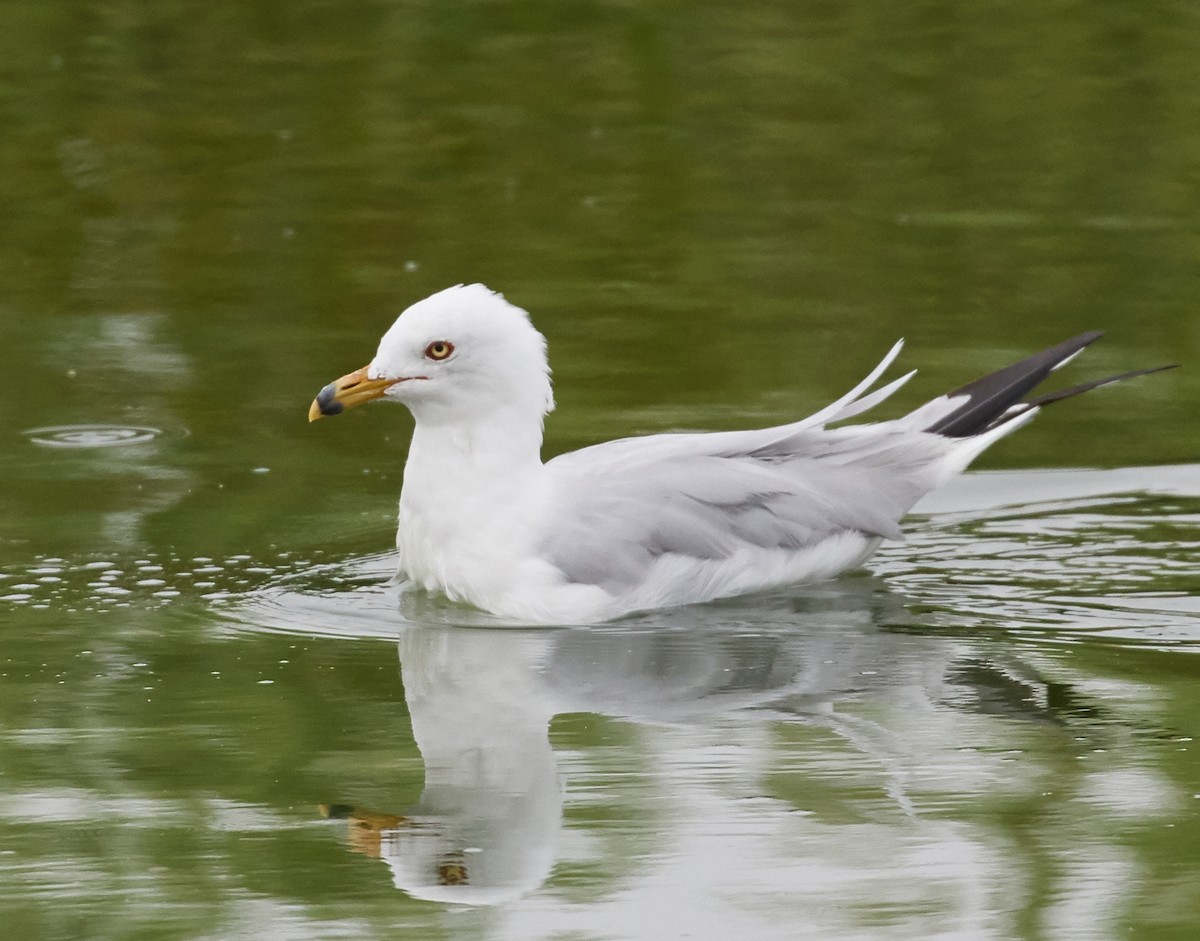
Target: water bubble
(90, 436)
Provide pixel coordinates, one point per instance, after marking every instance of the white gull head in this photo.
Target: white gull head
(464, 352)
(472, 370)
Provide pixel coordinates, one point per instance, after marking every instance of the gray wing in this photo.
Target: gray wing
(620, 506)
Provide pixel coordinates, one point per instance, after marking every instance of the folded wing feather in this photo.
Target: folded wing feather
(709, 496)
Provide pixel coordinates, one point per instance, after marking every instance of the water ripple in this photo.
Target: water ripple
(91, 436)
(1065, 555)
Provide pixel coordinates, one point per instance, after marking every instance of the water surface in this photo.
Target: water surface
(218, 720)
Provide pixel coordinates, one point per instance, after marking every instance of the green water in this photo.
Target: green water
(720, 215)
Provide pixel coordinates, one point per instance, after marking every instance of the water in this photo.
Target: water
(219, 720)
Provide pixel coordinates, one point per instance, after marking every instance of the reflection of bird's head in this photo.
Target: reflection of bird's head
(431, 859)
(461, 352)
(442, 861)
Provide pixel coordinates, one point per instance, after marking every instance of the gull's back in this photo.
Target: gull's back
(682, 518)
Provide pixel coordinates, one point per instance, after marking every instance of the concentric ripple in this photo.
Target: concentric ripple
(91, 436)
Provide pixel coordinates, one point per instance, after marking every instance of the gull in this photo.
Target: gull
(656, 521)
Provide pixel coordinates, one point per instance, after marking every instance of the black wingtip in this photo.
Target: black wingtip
(999, 397)
(990, 397)
(1083, 387)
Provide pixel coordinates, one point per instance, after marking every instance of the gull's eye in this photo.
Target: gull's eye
(439, 349)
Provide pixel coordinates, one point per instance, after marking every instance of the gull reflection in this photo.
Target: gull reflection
(486, 826)
(928, 724)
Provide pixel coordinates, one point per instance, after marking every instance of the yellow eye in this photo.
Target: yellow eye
(439, 349)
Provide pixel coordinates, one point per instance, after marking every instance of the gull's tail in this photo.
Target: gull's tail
(998, 399)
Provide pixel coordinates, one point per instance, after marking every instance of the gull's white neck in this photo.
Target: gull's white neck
(471, 490)
(501, 444)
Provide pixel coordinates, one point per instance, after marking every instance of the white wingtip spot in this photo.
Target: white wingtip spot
(1062, 362)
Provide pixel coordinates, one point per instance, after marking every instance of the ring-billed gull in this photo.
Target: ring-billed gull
(655, 521)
